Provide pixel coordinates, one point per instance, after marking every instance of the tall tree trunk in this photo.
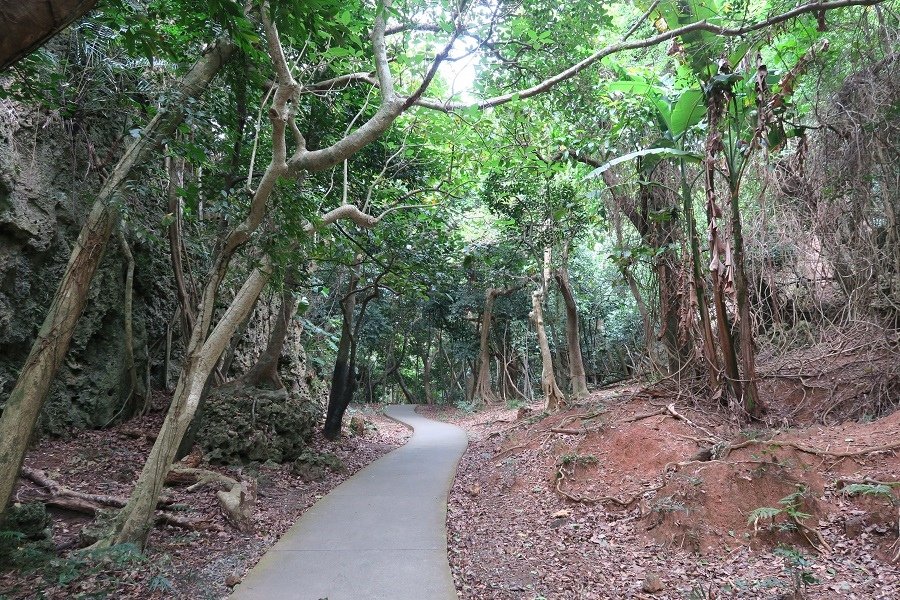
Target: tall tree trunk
(577, 377)
(133, 399)
(482, 388)
(341, 375)
(721, 261)
(678, 353)
(426, 373)
(186, 295)
(27, 397)
(751, 400)
(699, 286)
(553, 396)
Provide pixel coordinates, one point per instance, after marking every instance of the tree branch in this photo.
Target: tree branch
(810, 7)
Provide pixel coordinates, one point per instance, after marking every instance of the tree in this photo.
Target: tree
(206, 342)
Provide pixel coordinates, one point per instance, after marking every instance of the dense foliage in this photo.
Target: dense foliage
(540, 192)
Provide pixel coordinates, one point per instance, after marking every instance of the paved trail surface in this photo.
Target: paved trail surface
(380, 535)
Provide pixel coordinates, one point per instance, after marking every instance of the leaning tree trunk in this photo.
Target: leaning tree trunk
(577, 376)
(135, 519)
(553, 396)
(27, 397)
(27, 26)
(133, 522)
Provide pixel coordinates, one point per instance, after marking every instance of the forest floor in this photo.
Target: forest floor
(180, 563)
(619, 497)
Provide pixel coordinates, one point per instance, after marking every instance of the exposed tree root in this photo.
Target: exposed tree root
(69, 499)
(236, 498)
(564, 431)
(809, 449)
(561, 476)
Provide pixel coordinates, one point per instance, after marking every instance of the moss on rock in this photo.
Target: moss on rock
(244, 424)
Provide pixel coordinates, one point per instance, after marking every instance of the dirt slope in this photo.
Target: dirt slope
(618, 498)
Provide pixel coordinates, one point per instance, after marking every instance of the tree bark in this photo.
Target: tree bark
(720, 260)
(482, 388)
(699, 286)
(553, 396)
(27, 397)
(426, 373)
(131, 405)
(751, 400)
(27, 26)
(264, 373)
(577, 377)
(186, 297)
(406, 393)
(341, 385)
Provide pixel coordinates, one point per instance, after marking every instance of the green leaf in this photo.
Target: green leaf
(633, 87)
(688, 110)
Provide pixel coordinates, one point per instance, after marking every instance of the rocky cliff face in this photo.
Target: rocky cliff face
(48, 175)
(49, 172)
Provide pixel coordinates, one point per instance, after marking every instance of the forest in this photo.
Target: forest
(645, 254)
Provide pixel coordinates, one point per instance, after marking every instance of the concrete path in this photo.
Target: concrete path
(379, 535)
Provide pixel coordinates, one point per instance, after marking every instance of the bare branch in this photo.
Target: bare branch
(432, 70)
(339, 83)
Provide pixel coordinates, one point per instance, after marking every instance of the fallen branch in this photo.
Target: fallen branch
(569, 431)
(58, 490)
(842, 483)
(670, 410)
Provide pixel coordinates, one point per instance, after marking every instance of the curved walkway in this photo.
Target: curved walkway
(379, 535)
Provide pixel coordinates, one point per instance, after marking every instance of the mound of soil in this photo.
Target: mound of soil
(626, 493)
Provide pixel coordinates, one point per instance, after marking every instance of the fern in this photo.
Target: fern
(762, 513)
(869, 489)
